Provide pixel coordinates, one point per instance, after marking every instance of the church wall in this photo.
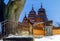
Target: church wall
(37, 32)
(55, 31)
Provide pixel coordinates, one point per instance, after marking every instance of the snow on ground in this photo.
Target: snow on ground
(47, 38)
(1, 40)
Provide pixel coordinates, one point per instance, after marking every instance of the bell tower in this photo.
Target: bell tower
(32, 15)
(42, 14)
(25, 21)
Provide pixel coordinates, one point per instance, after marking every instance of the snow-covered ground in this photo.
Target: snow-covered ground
(1, 40)
(47, 38)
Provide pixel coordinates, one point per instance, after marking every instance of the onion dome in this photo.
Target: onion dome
(32, 11)
(25, 18)
(42, 14)
(41, 9)
(32, 15)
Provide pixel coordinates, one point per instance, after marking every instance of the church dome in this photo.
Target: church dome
(32, 11)
(32, 15)
(25, 17)
(41, 9)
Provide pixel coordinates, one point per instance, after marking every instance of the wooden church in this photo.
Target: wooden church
(37, 24)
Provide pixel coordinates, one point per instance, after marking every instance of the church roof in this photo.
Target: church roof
(25, 17)
(41, 9)
(32, 11)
